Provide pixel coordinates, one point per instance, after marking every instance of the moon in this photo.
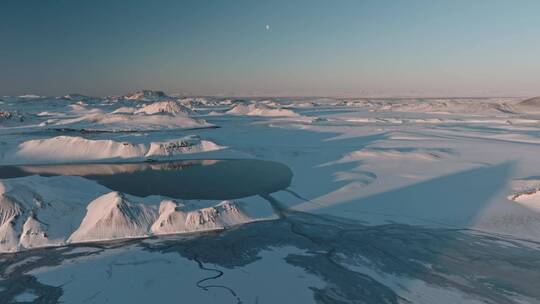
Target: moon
(267, 27)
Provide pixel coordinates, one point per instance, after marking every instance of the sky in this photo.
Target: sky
(271, 48)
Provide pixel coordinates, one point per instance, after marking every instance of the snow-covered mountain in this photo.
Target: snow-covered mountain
(261, 110)
(146, 95)
(166, 107)
(63, 149)
(78, 97)
(174, 218)
(123, 121)
(40, 211)
(113, 216)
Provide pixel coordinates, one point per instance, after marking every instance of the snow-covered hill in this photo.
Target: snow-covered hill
(174, 218)
(167, 107)
(98, 120)
(52, 211)
(62, 149)
(112, 216)
(146, 95)
(261, 110)
(531, 102)
(443, 106)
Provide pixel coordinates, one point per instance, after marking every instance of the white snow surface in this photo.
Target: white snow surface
(450, 162)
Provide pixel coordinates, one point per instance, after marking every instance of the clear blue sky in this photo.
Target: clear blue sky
(333, 47)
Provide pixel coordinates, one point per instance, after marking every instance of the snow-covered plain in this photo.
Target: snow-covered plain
(467, 165)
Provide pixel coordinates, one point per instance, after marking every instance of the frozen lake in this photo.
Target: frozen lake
(193, 179)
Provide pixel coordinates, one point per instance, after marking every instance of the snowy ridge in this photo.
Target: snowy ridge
(442, 106)
(173, 218)
(530, 198)
(166, 107)
(187, 145)
(74, 148)
(20, 227)
(192, 103)
(34, 233)
(10, 211)
(145, 95)
(54, 212)
(261, 110)
(77, 97)
(97, 120)
(112, 216)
